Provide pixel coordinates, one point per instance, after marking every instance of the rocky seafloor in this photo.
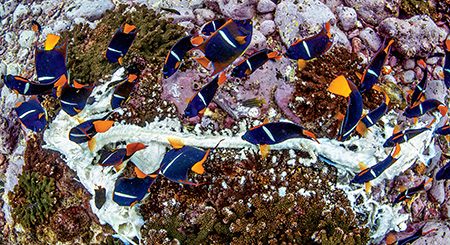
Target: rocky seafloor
(52, 192)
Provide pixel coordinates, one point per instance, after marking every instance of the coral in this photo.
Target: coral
(70, 223)
(418, 7)
(33, 199)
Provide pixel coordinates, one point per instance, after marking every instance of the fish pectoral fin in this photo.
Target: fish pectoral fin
(415, 120)
(139, 173)
(198, 167)
(103, 126)
(91, 144)
(41, 115)
(134, 203)
(310, 135)
(402, 188)
(301, 64)
(241, 39)
(120, 60)
(396, 151)
(176, 143)
(264, 150)
(134, 147)
(340, 86)
(196, 41)
(367, 187)
(362, 166)
(203, 61)
(51, 41)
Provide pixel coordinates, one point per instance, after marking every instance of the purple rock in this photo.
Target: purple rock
(436, 90)
(439, 233)
(437, 192)
(370, 38)
(374, 11)
(267, 27)
(238, 9)
(265, 6)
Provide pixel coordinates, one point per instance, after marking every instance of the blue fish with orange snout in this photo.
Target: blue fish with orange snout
(312, 47)
(177, 53)
(444, 130)
(444, 172)
(200, 101)
(119, 157)
(409, 193)
(123, 90)
(31, 114)
(73, 97)
(86, 131)
(273, 133)
(130, 191)
(225, 45)
(370, 173)
(373, 70)
(121, 43)
(424, 107)
(179, 161)
(416, 235)
(399, 137)
(447, 63)
(256, 60)
(212, 26)
(342, 86)
(419, 91)
(50, 62)
(373, 116)
(21, 85)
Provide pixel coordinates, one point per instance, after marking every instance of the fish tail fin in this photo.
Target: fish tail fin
(139, 173)
(51, 41)
(103, 125)
(176, 143)
(198, 166)
(361, 128)
(388, 46)
(127, 28)
(327, 27)
(91, 144)
(396, 151)
(135, 147)
(447, 43)
(310, 135)
(222, 78)
(340, 86)
(197, 41)
(301, 64)
(264, 150)
(274, 55)
(443, 109)
(203, 61)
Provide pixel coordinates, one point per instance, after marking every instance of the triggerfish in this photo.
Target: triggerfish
(444, 172)
(373, 70)
(311, 47)
(399, 137)
(86, 131)
(256, 60)
(373, 116)
(212, 26)
(447, 63)
(73, 97)
(200, 101)
(21, 85)
(123, 91)
(424, 107)
(342, 86)
(409, 193)
(120, 43)
(370, 173)
(273, 133)
(31, 114)
(129, 191)
(225, 45)
(51, 62)
(419, 90)
(178, 161)
(175, 56)
(119, 157)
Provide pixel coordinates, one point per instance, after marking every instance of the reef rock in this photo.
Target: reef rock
(436, 89)
(89, 9)
(237, 9)
(441, 235)
(27, 38)
(301, 18)
(370, 37)
(374, 11)
(267, 27)
(417, 36)
(347, 17)
(265, 6)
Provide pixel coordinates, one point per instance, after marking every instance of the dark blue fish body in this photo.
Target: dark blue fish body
(176, 55)
(403, 136)
(373, 116)
(212, 26)
(121, 43)
(406, 195)
(274, 133)
(23, 86)
(202, 99)
(85, 131)
(311, 47)
(128, 192)
(444, 130)
(419, 90)
(123, 91)
(444, 172)
(32, 115)
(424, 107)
(373, 172)
(251, 64)
(112, 158)
(412, 238)
(73, 100)
(227, 44)
(177, 163)
(373, 70)
(352, 115)
(447, 64)
(51, 64)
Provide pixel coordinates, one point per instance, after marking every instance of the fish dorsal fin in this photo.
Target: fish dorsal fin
(198, 166)
(139, 173)
(134, 147)
(396, 129)
(362, 166)
(127, 28)
(176, 143)
(51, 41)
(102, 126)
(396, 151)
(266, 121)
(241, 39)
(340, 86)
(197, 41)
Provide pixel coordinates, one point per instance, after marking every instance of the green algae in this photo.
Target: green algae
(418, 7)
(33, 199)
(87, 47)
